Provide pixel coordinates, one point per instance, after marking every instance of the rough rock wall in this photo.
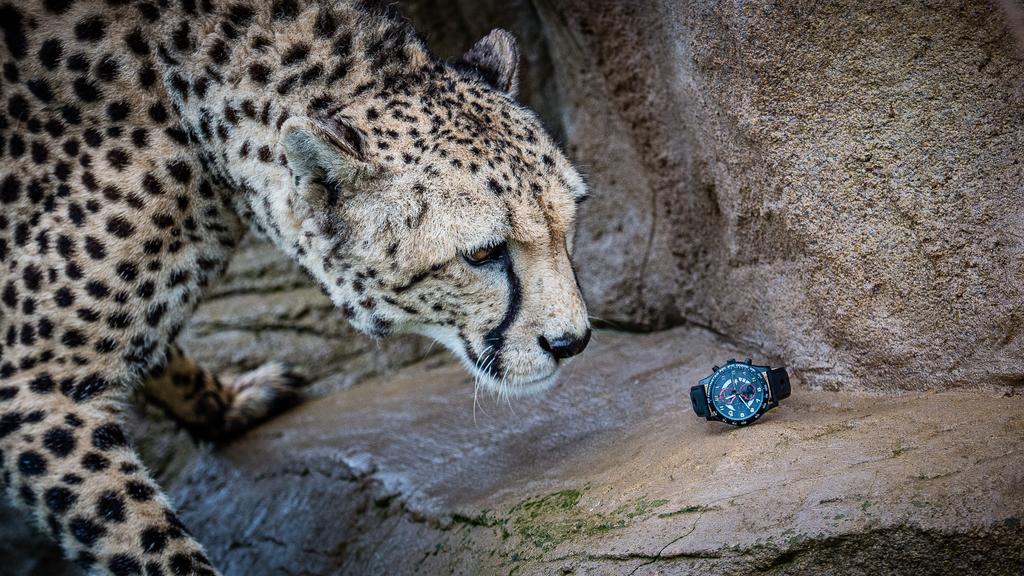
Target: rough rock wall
(836, 183)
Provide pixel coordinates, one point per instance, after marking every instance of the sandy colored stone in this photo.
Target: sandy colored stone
(834, 183)
(611, 473)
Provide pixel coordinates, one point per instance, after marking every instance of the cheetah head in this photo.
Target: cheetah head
(443, 208)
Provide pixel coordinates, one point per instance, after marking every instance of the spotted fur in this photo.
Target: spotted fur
(139, 140)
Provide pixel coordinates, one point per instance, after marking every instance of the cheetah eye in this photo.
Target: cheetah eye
(482, 256)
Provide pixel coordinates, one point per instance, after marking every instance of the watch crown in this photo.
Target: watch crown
(732, 360)
(747, 361)
(714, 368)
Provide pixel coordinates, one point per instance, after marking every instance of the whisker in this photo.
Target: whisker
(476, 380)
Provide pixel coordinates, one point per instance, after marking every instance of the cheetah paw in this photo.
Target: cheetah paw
(260, 394)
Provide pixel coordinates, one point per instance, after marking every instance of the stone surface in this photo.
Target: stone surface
(836, 184)
(611, 473)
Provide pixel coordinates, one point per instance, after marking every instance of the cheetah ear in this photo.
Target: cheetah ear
(322, 153)
(496, 58)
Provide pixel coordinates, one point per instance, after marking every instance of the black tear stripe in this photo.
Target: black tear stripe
(496, 336)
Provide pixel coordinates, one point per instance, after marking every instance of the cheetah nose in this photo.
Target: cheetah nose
(565, 346)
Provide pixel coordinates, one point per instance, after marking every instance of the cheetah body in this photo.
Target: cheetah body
(140, 141)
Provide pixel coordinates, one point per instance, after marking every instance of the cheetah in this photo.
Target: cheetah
(139, 141)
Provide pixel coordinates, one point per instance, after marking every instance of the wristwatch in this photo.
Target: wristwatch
(739, 392)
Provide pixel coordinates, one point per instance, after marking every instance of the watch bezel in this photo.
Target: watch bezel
(769, 401)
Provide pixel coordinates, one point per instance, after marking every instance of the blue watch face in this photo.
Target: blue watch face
(737, 392)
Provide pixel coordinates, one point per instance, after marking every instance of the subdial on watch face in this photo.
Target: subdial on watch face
(737, 392)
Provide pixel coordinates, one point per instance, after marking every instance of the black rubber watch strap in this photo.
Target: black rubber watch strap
(778, 379)
(699, 398)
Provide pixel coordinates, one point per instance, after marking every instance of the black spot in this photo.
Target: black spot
(155, 314)
(78, 62)
(94, 462)
(139, 491)
(58, 6)
(86, 90)
(124, 565)
(119, 320)
(71, 114)
(181, 37)
(9, 423)
(240, 14)
(11, 72)
(148, 11)
(162, 221)
(91, 29)
(118, 111)
(219, 52)
(63, 297)
(28, 496)
(10, 189)
(146, 290)
(108, 436)
(32, 277)
(180, 171)
(118, 158)
(92, 137)
(10, 295)
(108, 68)
(42, 384)
(86, 531)
(295, 54)
(90, 386)
(94, 248)
(158, 113)
(127, 271)
(153, 540)
(85, 560)
(147, 76)
(14, 32)
(31, 463)
(16, 146)
(285, 10)
(73, 339)
(40, 89)
(120, 226)
(50, 53)
(110, 507)
(59, 499)
(181, 565)
(259, 72)
(105, 345)
(137, 43)
(140, 137)
(73, 270)
(39, 153)
(7, 393)
(152, 247)
(326, 25)
(59, 441)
